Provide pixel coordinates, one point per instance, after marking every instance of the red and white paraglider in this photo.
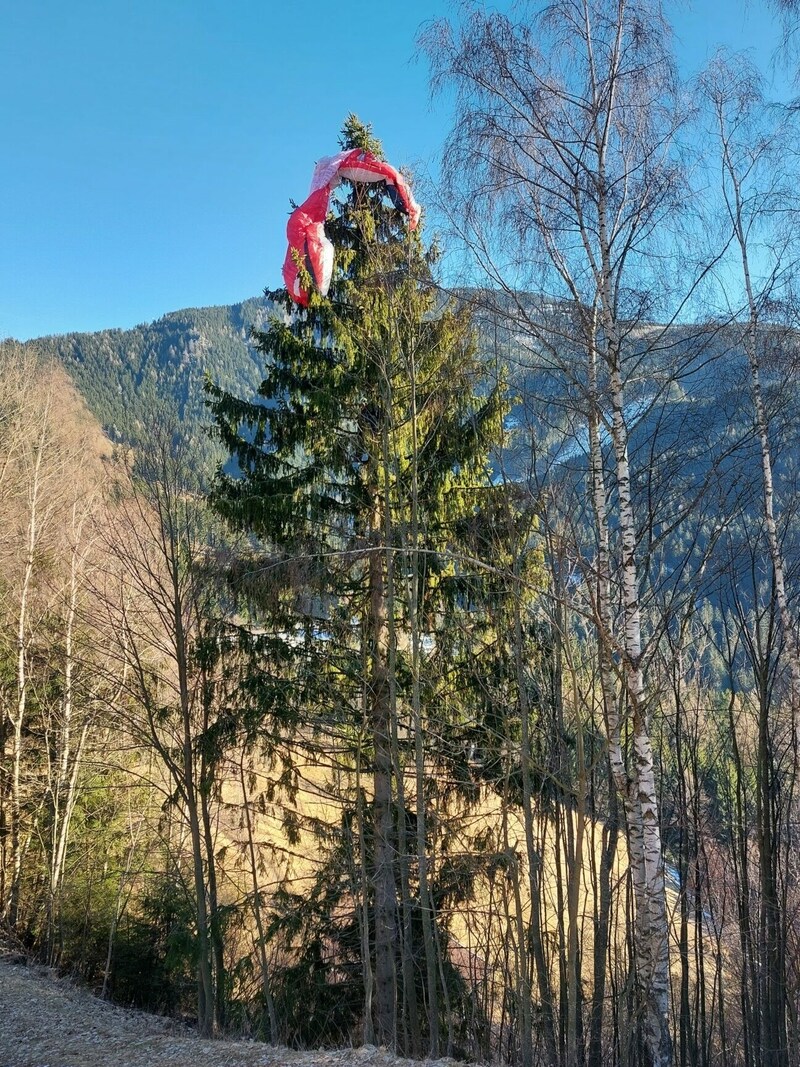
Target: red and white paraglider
(305, 230)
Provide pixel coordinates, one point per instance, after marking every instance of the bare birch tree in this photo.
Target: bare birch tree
(565, 124)
(758, 197)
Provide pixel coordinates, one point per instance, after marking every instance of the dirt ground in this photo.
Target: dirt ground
(47, 1021)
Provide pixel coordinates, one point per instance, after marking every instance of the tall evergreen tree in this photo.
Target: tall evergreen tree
(368, 441)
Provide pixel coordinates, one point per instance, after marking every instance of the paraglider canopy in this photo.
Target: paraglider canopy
(309, 245)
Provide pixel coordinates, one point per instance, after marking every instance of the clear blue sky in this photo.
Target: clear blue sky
(151, 146)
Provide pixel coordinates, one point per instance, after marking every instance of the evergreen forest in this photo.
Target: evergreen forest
(421, 668)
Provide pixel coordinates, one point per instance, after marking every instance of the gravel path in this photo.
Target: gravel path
(50, 1022)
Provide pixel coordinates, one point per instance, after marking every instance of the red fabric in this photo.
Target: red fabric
(359, 166)
(306, 227)
(306, 235)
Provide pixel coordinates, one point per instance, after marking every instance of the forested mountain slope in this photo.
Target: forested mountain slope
(689, 408)
(693, 446)
(127, 376)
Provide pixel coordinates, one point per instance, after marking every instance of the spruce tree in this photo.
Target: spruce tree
(366, 446)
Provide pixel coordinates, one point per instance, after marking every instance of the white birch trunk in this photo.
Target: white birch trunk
(647, 863)
(644, 829)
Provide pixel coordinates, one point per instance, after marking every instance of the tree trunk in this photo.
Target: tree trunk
(261, 941)
(384, 845)
(414, 605)
(18, 717)
(647, 865)
(205, 984)
(536, 928)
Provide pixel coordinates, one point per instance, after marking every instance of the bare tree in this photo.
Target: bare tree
(157, 545)
(758, 197)
(565, 127)
(38, 492)
(68, 724)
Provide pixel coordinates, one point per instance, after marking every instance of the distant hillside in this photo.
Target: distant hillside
(128, 376)
(689, 406)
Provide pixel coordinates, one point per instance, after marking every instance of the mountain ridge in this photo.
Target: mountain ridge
(128, 377)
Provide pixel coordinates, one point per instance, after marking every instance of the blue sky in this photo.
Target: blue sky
(152, 146)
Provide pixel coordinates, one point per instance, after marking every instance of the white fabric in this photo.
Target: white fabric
(326, 171)
(355, 174)
(326, 258)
